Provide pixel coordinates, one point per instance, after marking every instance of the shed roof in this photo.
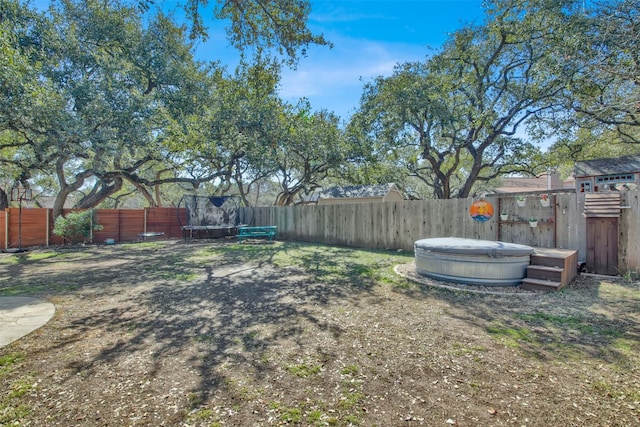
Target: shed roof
(598, 167)
(357, 191)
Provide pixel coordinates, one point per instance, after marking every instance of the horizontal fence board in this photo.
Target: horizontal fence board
(165, 220)
(26, 226)
(117, 224)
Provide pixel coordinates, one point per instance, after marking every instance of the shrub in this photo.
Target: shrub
(76, 227)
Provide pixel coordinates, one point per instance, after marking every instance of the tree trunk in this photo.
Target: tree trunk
(65, 188)
(100, 192)
(4, 200)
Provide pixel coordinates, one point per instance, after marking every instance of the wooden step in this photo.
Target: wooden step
(561, 258)
(543, 272)
(546, 260)
(540, 285)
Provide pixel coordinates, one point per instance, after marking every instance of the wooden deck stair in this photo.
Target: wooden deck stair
(550, 269)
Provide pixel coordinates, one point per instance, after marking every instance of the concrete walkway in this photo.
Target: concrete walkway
(20, 316)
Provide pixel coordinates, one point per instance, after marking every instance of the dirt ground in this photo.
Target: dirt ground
(212, 333)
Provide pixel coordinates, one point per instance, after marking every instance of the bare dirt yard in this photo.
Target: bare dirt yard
(215, 333)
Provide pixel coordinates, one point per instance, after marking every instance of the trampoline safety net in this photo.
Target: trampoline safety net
(212, 212)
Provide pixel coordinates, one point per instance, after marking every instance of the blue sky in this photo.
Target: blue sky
(370, 37)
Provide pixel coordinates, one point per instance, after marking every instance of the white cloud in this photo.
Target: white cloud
(333, 79)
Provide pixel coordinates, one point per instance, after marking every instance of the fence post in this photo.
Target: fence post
(6, 228)
(46, 217)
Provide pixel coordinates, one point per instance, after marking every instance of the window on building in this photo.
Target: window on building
(612, 179)
(585, 186)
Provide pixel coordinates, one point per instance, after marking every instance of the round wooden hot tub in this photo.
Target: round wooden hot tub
(471, 261)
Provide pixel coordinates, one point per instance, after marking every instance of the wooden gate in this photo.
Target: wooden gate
(602, 245)
(603, 213)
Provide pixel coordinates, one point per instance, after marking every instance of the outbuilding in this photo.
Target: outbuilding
(601, 175)
(360, 194)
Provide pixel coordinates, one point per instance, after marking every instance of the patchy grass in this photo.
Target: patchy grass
(8, 361)
(511, 336)
(303, 370)
(219, 333)
(12, 410)
(358, 268)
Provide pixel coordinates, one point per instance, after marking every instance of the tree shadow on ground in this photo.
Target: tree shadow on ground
(592, 317)
(208, 307)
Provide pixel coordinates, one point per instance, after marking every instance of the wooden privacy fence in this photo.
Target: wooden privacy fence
(397, 225)
(118, 224)
(391, 225)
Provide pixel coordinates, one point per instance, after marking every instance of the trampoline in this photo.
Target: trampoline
(212, 216)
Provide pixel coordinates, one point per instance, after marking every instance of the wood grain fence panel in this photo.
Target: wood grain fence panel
(412, 219)
(437, 213)
(312, 222)
(119, 224)
(562, 220)
(131, 223)
(408, 232)
(344, 224)
(336, 224)
(109, 219)
(34, 227)
(418, 223)
(268, 215)
(375, 226)
(290, 221)
(27, 228)
(288, 224)
(258, 215)
(297, 222)
(391, 227)
(456, 213)
(316, 222)
(629, 233)
(300, 222)
(386, 226)
(264, 215)
(365, 228)
(394, 218)
(359, 235)
(308, 222)
(165, 220)
(320, 221)
(400, 224)
(446, 218)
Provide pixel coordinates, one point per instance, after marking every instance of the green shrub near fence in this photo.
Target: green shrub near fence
(76, 227)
